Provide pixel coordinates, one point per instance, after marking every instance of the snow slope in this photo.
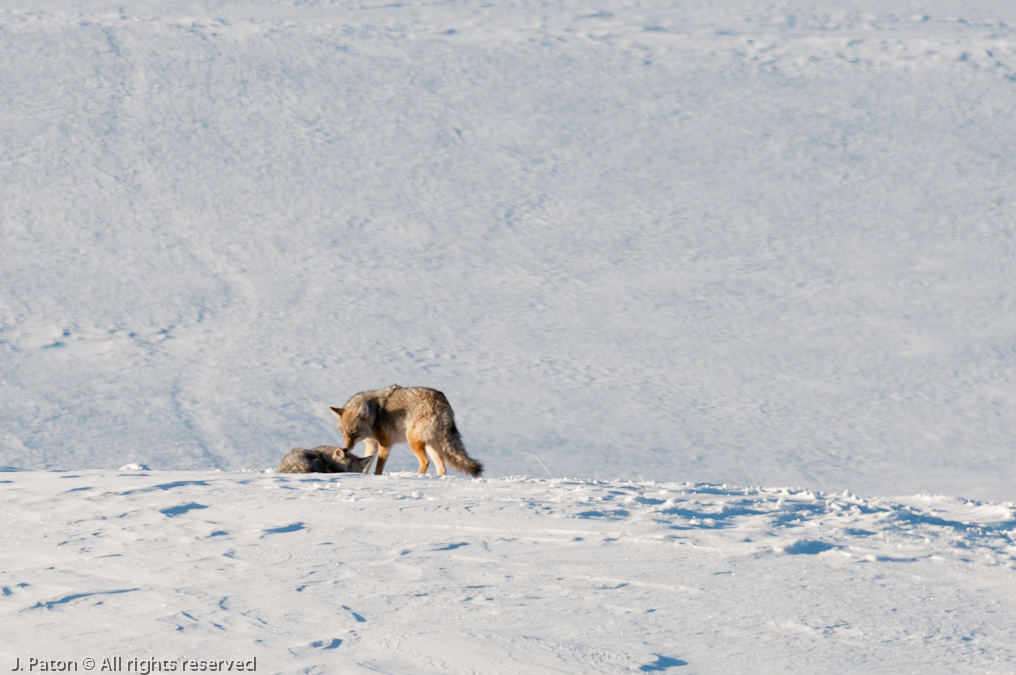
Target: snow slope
(664, 249)
(762, 243)
(407, 574)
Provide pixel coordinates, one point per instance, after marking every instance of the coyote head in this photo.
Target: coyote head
(354, 423)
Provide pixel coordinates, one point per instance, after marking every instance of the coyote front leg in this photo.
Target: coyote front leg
(369, 452)
(382, 458)
(371, 447)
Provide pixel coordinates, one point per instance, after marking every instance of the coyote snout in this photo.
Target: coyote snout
(418, 416)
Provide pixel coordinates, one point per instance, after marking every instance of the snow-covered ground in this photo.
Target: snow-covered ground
(768, 243)
(658, 248)
(402, 574)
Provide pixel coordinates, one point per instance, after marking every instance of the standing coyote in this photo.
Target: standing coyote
(323, 459)
(416, 415)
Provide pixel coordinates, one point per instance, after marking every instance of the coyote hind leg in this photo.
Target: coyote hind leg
(420, 450)
(438, 460)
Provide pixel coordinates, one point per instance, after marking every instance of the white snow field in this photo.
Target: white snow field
(403, 574)
(651, 251)
(762, 243)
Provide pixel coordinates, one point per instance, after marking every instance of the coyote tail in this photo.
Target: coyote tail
(454, 452)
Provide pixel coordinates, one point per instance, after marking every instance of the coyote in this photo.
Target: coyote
(416, 415)
(323, 459)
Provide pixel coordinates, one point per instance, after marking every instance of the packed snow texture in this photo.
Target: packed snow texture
(762, 243)
(403, 574)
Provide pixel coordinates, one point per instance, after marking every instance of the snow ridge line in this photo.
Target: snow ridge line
(750, 521)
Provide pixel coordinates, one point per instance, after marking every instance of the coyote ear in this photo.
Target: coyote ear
(364, 412)
(336, 411)
(339, 454)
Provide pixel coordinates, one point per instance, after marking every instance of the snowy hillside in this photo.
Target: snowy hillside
(401, 574)
(768, 243)
(651, 251)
